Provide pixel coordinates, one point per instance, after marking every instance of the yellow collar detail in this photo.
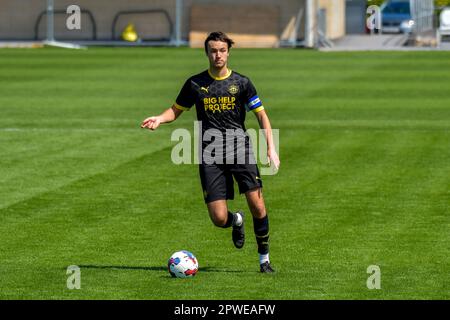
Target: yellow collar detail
(220, 78)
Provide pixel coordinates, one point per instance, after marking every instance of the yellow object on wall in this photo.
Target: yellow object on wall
(129, 33)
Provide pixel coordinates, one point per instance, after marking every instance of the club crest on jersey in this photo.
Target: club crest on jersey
(233, 89)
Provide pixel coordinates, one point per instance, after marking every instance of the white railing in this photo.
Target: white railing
(422, 12)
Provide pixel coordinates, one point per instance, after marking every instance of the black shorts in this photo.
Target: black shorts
(217, 180)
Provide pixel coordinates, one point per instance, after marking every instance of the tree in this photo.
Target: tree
(441, 3)
(437, 3)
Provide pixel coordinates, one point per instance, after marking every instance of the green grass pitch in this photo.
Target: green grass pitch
(364, 179)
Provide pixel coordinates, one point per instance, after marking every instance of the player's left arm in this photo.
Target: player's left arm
(264, 124)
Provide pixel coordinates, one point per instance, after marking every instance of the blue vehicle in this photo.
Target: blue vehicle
(396, 16)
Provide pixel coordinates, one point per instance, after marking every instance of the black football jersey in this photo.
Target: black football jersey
(221, 103)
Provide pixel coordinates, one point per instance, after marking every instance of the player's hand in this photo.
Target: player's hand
(151, 123)
(273, 159)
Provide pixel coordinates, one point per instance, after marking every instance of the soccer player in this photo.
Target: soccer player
(222, 97)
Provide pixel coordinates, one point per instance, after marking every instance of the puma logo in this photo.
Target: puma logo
(204, 89)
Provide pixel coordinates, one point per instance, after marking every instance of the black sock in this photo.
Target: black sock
(261, 228)
(230, 220)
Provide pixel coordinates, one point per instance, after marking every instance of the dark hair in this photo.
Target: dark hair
(218, 36)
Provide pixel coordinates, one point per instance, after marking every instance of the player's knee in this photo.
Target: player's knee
(218, 220)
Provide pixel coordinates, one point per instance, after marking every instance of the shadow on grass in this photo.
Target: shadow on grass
(156, 268)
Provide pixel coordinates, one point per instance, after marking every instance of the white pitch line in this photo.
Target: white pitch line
(67, 129)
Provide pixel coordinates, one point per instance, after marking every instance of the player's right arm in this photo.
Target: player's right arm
(184, 102)
(167, 116)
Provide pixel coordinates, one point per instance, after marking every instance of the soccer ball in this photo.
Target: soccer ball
(182, 264)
